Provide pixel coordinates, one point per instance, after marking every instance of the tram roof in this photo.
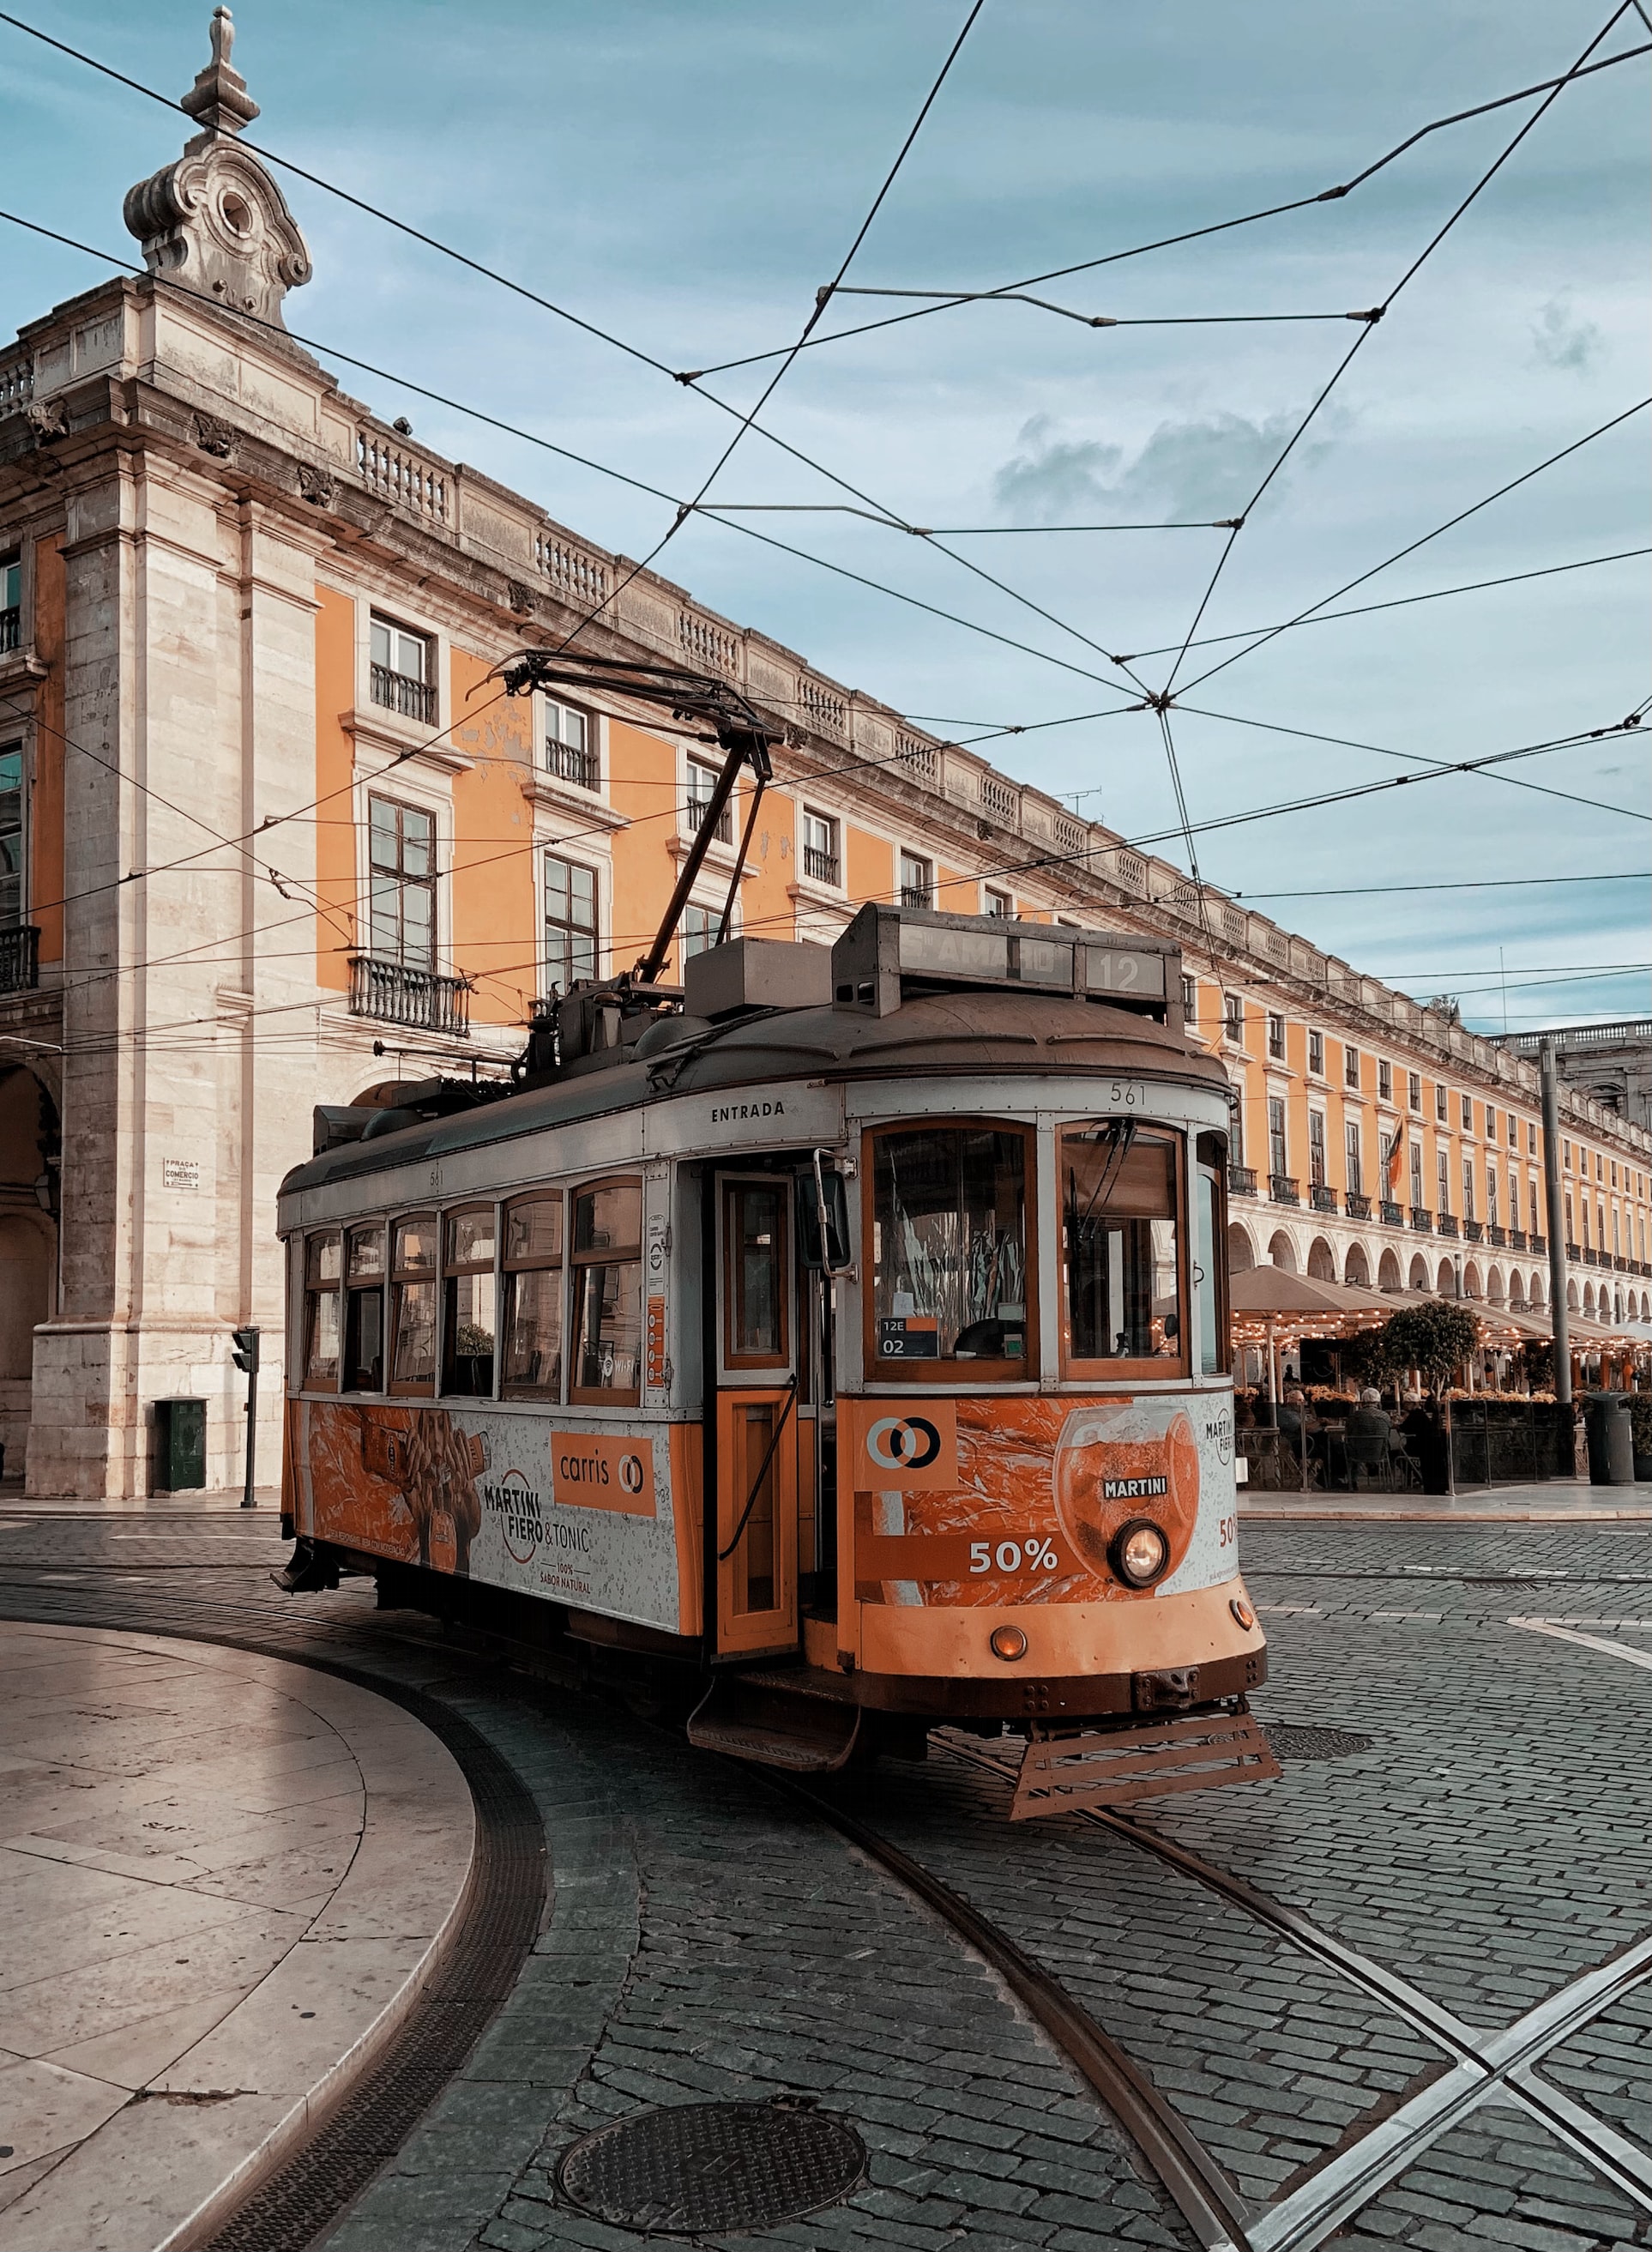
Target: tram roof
(939, 1035)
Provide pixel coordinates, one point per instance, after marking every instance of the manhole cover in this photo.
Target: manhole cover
(1292, 1743)
(716, 2168)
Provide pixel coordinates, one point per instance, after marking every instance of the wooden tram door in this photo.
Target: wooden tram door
(758, 1425)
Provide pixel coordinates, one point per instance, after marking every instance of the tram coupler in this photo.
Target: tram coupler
(307, 1572)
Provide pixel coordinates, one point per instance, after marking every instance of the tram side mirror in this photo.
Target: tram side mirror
(822, 1211)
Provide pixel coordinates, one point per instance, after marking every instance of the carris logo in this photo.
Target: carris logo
(631, 1473)
(903, 1443)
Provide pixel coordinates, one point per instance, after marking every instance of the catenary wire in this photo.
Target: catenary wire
(1169, 241)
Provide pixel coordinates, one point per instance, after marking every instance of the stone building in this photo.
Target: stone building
(269, 839)
(1612, 1062)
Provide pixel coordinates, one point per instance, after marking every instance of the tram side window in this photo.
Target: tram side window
(412, 1305)
(469, 1307)
(607, 1294)
(1212, 1356)
(532, 1327)
(949, 1248)
(1119, 1244)
(364, 1310)
(755, 1224)
(320, 1310)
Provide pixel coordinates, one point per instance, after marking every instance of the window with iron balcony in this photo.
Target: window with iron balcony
(823, 860)
(402, 674)
(1413, 1090)
(1190, 1002)
(1233, 1018)
(1317, 1054)
(1386, 1082)
(1276, 1038)
(1350, 1067)
(569, 746)
(1441, 1102)
(702, 781)
(11, 603)
(999, 905)
(917, 880)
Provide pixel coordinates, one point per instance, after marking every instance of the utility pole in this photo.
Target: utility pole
(1557, 1228)
(245, 1357)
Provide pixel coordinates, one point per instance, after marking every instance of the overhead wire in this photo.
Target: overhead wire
(1170, 241)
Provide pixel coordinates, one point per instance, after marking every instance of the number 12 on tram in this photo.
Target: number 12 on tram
(842, 1339)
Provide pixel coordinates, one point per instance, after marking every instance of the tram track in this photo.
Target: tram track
(291, 2208)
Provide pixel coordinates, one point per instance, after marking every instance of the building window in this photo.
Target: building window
(1566, 1153)
(1275, 1037)
(1467, 1188)
(1414, 1091)
(607, 1294)
(699, 929)
(1385, 1082)
(1514, 1132)
(11, 602)
(1355, 1184)
(823, 863)
(917, 880)
(1531, 1138)
(412, 1305)
(1587, 1244)
(1491, 1124)
(1439, 1101)
(1190, 1001)
(1536, 1229)
(999, 904)
(402, 883)
(702, 781)
(1233, 1018)
(1442, 1181)
(1276, 1149)
(1570, 1237)
(469, 1324)
(1317, 1148)
(10, 836)
(569, 746)
(570, 922)
(1467, 1116)
(1491, 1194)
(1416, 1175)
(403, 672)
(1600, 1172)
(532, 1327)
(1317, 1054)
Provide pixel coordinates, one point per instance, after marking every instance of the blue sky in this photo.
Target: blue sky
(685, 178)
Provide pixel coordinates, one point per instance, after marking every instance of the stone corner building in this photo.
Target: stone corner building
(266, 842)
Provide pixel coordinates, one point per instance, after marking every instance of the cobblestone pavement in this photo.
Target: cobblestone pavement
(710, 1938)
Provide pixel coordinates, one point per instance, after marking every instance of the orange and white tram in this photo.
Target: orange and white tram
(846, 1331)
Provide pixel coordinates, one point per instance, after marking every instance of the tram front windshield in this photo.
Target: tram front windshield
(1118, 1217)
(950, 1250)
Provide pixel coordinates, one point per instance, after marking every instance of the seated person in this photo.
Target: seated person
(1369, 1422)
(1293, 1414)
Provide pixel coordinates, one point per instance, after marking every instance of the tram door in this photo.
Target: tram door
(758, 1425)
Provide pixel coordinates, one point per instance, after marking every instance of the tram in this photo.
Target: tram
(842, 1335)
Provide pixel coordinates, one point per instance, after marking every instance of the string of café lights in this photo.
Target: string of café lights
(746, 422)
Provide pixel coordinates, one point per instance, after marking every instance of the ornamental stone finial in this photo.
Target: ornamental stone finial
(215, 221)
(218, 100)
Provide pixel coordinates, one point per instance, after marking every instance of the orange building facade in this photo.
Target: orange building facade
(271, 835)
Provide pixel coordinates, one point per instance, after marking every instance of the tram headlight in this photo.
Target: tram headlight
(1140, 1552)
(1008, 1643)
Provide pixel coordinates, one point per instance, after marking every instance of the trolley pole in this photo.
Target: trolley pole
(245, 1355)
(1557, 1228)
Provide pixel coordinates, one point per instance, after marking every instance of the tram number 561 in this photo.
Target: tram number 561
(1126, 1094)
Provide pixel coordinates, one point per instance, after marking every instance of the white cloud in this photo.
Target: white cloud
(1561, 339)
(1194, 470)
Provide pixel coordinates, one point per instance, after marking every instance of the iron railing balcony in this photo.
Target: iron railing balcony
(1517, 1239)
(1539, 1244)
(568, 763)
(820, 867)
(1393, 1216)
(1282, 1188)
(1241, 1180)
(1322, 1198)
(694, 812)
(1422, 1221)
(399, 692)
(19, 958)
(11, 631)
(1573, 1252)
(1496, 1235)
(915, 895)
(1444, 1223)
(1356, 1206)
(399, 993)
(1473, 1230)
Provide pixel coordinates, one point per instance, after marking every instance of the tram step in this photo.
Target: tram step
(1065, 1769)
(773, 1727)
